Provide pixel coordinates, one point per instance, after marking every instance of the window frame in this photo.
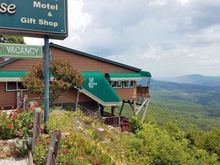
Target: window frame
(116, 84)
(131, 84)
(14, 90)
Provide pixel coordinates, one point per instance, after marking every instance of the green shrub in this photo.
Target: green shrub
(136, 124)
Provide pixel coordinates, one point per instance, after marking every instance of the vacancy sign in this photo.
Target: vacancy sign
(36, 18)
(20, 51)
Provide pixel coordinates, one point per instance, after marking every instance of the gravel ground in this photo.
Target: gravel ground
(13, 161)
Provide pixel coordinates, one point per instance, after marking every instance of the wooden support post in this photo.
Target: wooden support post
(25, 102)
(145, 112)
(129, 102)
(100, 111)
(134, 107)
(53, 150)
(112, 110)
(36, 126)
(18, 100)
(77, 99)
(142, 106)
(122, 106)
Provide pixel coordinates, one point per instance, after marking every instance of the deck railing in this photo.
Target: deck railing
(117, 121)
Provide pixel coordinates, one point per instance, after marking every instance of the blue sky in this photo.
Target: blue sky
(166, 37)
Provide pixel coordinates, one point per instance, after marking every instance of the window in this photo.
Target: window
(124, 84)
(131, 84)
(116, 84)
(20, 86)
(119, 84)
(14, 86)
(128, 84)
(10, 86)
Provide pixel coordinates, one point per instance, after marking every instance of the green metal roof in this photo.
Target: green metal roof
(124, 76)
(145, 74)
(97, 87)
(13, 73)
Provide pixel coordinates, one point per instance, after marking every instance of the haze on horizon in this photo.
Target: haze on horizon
(166, 37)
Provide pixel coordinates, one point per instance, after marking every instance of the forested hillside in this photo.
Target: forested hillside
(187, 104)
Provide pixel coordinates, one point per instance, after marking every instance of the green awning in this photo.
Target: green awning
(124, 76)
(98, 88)
(145, 74)
(12, 75)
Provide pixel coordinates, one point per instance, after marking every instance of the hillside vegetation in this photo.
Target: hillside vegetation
(185, 104)
(88, 141)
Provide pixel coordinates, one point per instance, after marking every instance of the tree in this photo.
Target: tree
(63, 78)
(11, 39)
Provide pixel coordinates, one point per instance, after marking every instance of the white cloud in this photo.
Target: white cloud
(157, 35)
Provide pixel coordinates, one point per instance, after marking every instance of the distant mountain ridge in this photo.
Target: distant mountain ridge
(166, 85)
(197, 79)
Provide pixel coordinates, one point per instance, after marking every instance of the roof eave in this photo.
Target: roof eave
(125, 79)
(99, 100)
(7, 62)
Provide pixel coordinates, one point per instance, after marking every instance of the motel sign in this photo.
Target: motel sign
(34, 17)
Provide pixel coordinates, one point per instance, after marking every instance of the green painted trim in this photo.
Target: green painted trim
(124, 76)
(145, 74)
(13, 74)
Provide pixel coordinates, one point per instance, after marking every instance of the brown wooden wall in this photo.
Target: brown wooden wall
(126, 93)
(66, 97)
(7, 99)
(82, 63)
(78, 62)
(70, 97)
(21, 64)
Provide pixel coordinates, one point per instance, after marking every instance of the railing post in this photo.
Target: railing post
(77, 99)
(51, 159)
(25, 102)
(36, 126)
